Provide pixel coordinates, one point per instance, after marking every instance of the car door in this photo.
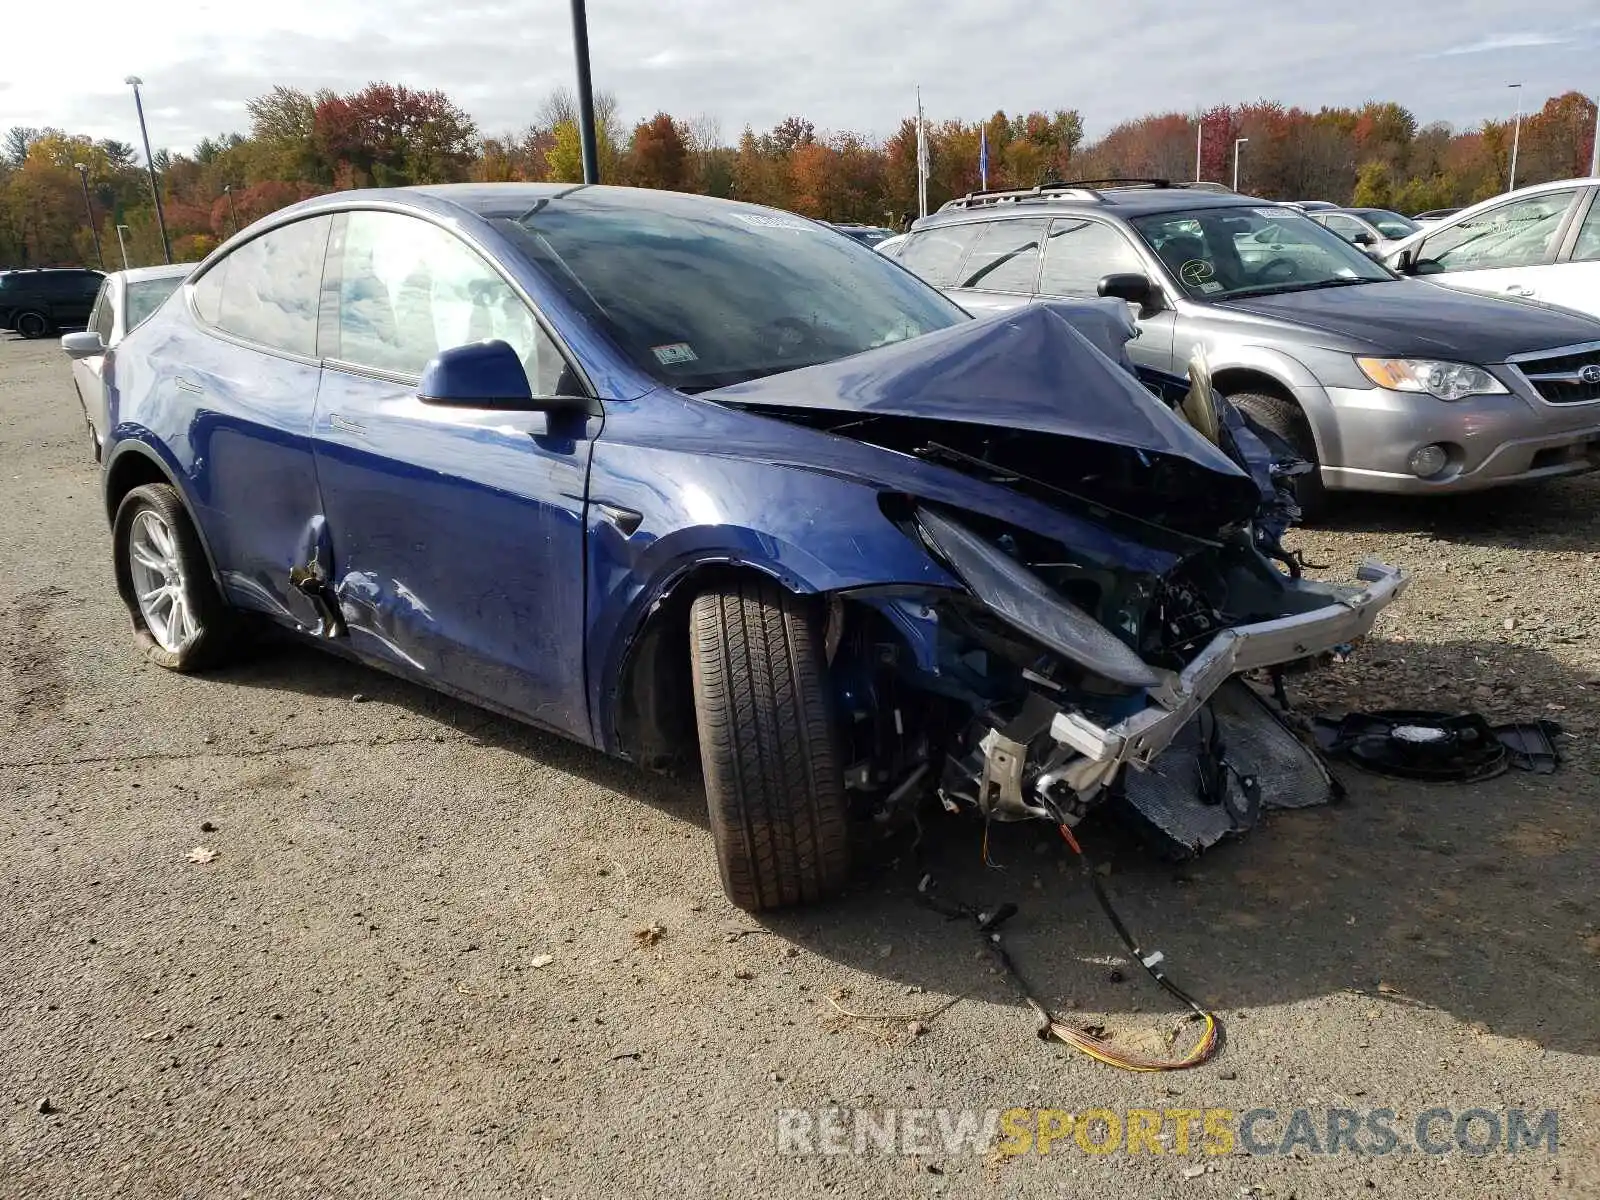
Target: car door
(88, 374)
(1574, 282)
(1509, 249)
(1080, 252)
(1001, 267)
(249, 374)
(457, 532)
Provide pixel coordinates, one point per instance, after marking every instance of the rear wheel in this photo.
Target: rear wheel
(1284, 418)
(31, 324)
(179, 618)
(768, 745)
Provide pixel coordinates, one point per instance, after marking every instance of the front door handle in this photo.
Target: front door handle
(184, 385)
(346, 425)
(1519, 289)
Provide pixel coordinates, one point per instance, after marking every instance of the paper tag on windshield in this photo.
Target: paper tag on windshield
(1210, 285)
(1277, 214)
(677, 352)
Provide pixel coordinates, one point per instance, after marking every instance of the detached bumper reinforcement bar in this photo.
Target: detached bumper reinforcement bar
(1139, 738)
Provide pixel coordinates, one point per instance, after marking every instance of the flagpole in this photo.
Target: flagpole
(922, 160)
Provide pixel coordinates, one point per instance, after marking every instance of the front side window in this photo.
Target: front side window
(1081, 253)
(1005, 256)
(266, 291)
(936, 254)
(145, 296)
(1587, 247)
(1238, 250)
(702, 293)
(408, 289)
(1390, 224)
(1345, 227)
(101, 318)
(1519, 234)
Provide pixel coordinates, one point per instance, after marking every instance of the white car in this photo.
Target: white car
(1537, 243)
(125, 299)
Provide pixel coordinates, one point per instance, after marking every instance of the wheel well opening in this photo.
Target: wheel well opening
(1243, 379)
(128, 472)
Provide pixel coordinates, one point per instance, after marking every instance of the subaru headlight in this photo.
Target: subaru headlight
(1446, 380)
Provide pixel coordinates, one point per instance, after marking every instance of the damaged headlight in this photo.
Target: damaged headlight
(1444, 380)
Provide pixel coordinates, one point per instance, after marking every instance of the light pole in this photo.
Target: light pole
(227, 190)
(580, 47)
(123, 245)
(1199, 134)
(1237, 142)
(1516, 136)
(134, 81)
(1594, 151)
(83, 178)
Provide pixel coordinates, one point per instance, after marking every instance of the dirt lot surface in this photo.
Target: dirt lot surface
(415, 969)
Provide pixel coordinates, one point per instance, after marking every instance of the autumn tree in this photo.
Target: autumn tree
(658, 157)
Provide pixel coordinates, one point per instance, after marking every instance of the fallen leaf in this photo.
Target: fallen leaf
(202, 854)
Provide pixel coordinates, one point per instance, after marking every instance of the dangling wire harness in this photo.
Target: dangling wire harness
(1212, 1036)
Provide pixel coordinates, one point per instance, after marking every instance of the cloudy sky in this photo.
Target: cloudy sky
(843, 64)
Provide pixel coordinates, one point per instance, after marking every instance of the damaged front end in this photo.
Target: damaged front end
(1062, 675)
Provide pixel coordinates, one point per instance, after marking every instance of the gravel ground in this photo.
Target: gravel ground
(415, 966)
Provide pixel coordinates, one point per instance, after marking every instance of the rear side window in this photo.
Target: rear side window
(1005, 257)
(936, 254)
(266, 291)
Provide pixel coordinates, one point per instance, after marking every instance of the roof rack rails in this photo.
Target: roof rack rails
(1085, 188)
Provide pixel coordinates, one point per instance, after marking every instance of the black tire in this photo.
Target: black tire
(215, 623)
(768, 745)
(31, 324)
(1284, 418)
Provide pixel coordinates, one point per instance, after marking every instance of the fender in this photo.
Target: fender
(135, 442)
(1292, 375)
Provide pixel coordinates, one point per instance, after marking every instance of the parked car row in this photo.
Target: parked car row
(1385, 383)
(671, 475)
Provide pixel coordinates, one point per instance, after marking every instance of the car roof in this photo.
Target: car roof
(517, 199)
(1128, 200)
(165, 271)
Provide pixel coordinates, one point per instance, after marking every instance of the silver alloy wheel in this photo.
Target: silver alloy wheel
(158, 582)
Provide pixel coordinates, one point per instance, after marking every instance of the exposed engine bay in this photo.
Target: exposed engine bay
(1076, 668)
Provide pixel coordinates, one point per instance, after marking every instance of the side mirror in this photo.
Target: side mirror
(83, 345)
(1406, 263)
(1132, 287)
(1362, 238)
(487, 374)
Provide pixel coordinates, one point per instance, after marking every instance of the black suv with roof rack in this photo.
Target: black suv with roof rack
(39, 301)
(1387, 384)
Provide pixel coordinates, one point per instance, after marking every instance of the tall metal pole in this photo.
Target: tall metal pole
(580, 48)
(1594, 152)
(155, 187)
(83, 178)
(233, 213)
(124, 246)
(1516, 137)
(1199, 133)
(1237, 142)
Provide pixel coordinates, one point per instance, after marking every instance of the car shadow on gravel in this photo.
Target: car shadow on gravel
(1554, 515)
(1481, 900)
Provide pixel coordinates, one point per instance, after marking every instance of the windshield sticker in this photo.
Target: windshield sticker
(1277, 214)
(677, 352)
(1196, 271)
(774, 221)
(1210, 285)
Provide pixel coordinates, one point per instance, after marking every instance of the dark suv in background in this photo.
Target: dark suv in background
(39, 301)
(1387, 384)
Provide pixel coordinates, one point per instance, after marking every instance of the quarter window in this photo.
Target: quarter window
(266, 291)
(936, 254)
(408, 289)
(1005, 257)
(1081, 253)
(1519, 234)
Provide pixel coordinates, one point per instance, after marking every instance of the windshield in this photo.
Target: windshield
(703, 294)
(146, 296)
(1221, 253)
(1390, 224)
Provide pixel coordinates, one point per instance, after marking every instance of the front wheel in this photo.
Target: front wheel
(1284, 418)
(768, 746)
(31, 324)
(179, 618)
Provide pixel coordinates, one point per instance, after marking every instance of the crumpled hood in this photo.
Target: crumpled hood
(1028, 370)
(1417, 319)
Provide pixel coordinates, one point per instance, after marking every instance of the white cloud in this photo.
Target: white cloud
(840, 63)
